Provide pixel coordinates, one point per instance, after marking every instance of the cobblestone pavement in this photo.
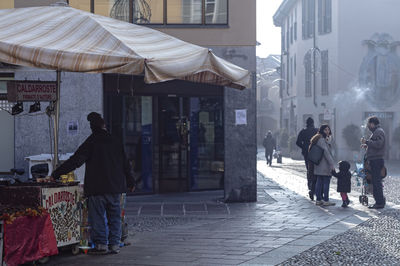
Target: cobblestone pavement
(203, 231)
(374, 242)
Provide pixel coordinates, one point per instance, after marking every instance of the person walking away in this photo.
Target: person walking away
(303, 142)
(343, 181)
(323, 171)
(107, 175)
(269, 144)
(375, 147)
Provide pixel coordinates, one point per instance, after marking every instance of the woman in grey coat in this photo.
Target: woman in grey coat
(323, 171)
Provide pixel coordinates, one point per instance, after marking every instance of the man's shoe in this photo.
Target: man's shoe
(318, 202)
(376, 206)
(311, 195)
(328, 203)
(114, 249)
(98, 250)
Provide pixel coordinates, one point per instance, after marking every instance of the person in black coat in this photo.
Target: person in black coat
(269, 144)
(344, 181)
(107, 175)
(303, 142)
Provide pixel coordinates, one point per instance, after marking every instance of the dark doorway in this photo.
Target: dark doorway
(174, 140)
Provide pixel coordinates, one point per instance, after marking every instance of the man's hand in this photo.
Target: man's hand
(363, 140)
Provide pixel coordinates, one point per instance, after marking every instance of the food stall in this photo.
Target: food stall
(53, 207)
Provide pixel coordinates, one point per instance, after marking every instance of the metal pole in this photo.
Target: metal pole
(56, 120)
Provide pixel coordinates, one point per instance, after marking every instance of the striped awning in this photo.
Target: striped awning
(67, 39)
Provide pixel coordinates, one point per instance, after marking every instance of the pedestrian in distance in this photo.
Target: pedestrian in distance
(107, 175)
(375, 147)
(343, 181)
(269, 144)
(303, 142)
(323, 171)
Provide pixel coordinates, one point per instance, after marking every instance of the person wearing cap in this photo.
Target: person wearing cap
(107, 175)
(303, 142)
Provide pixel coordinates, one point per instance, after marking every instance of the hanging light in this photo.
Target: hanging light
(17, 108)
(34, 107)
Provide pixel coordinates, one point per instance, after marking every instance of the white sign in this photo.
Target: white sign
(72, 128)
(328, 114)
(241, 117)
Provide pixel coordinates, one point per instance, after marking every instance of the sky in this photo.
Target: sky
(267, 34)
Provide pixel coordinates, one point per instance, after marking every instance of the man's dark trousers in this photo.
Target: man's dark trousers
(268, 156)
(311, 179)
(376, 167)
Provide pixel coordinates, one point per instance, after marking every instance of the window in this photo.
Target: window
(295, 24)
(308, 74)
(216, 11)
(324, 16)
(184, 12)
(295, 66)
(291, 29)
(199, 12)
(80, 4)
(287, 37)
(308, 18)
(6, 4)
(148, 12)
(291, 72)
(283, 74)
(283, 45)
(324, 73)
(112, 8)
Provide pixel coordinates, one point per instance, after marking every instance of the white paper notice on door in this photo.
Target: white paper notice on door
(241, 117)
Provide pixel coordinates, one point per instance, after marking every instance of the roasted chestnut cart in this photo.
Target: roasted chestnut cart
(61, 202)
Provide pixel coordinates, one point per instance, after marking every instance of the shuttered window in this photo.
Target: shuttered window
(308, 74)
(308, 18)
(324, 16)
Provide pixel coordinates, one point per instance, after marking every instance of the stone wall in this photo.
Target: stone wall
(240, 140)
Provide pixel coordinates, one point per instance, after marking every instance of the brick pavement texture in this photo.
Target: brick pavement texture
(281, 225)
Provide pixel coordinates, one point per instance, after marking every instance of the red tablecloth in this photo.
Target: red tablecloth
(28, 239)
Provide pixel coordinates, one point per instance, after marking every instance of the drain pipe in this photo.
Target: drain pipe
(314, 56)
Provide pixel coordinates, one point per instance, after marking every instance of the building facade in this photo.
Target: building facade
(179, 136)
(339, 66)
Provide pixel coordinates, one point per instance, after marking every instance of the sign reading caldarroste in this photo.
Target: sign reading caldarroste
(31, 91)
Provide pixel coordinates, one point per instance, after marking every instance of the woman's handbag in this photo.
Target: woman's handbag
(315, 154)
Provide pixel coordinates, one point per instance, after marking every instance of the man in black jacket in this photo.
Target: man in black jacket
(107, 175)
(269, 144)
(303, 141)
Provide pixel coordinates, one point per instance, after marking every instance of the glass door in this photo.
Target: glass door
(173, 148)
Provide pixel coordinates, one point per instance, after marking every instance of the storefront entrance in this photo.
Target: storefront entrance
(174, 139)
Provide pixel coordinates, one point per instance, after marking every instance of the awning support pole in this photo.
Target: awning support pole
(56, 120)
